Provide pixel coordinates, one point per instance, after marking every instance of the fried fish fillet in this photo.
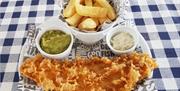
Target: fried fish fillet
(89, 74)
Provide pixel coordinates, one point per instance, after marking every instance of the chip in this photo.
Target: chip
(111, 12)
(70, 9)
(88, 24)
(89, 10)
(74, 20)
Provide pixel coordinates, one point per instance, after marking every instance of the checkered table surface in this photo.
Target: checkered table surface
(157, 20)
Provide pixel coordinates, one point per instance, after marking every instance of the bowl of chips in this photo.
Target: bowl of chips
(90, 20)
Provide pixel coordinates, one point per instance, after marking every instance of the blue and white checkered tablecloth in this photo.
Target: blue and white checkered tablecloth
(157, 20)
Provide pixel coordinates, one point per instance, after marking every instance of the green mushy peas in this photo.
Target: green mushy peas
(55, 41)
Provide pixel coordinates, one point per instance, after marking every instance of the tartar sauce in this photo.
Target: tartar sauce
(122, 41)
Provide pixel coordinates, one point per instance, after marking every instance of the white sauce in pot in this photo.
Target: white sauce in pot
(122, 41)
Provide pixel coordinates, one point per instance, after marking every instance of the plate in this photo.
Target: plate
(79, 49)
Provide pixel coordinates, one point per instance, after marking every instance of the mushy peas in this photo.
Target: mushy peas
(122, 41)
(55, 41)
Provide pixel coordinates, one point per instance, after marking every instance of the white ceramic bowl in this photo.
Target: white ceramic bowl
(92, 37)
(55, 56)
(118, 29)
(89, 38)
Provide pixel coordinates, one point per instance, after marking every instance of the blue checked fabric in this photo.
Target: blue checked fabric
(157, 20)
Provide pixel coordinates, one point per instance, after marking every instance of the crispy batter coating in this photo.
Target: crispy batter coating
(94, 74)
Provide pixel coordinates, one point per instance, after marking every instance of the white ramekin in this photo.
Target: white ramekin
(118, 29)
(55, 56)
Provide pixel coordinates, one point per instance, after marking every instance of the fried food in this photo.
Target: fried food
(74, 20)
(102, 20)
(96, 4)
(94, 74)
(111, 12)
(88, 9)
(88, 2)
(88, 24)
(70, 9)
